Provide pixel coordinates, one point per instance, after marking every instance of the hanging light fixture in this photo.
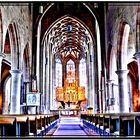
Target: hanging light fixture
(41, 9)
(95, 5)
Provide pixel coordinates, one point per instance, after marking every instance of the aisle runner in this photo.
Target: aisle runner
(69, 127)
(69, 130)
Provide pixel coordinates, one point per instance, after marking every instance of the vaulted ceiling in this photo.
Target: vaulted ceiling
(70, 37)
(71, 26)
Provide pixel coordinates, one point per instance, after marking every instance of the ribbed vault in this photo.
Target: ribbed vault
(69, 38)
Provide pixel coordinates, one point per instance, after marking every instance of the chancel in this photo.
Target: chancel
(69, 69)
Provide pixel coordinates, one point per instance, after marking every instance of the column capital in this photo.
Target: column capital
(27, 81)
(118, 72)
(100, 90)
(109, 81)
(15, 71)
(137, 55)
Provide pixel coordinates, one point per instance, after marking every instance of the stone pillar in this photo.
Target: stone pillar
(103, 95)
(89, 82)
(38, 56)
(100, 101)
(2, 55)
(54, 105)
(51, 82)
(47, 105)
(91, 89)
(123, 91)
(137, 55)
(109, 94)
(15, 91)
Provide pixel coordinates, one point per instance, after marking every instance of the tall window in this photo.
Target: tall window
(82, 73)
(70, 71)
(58, 73)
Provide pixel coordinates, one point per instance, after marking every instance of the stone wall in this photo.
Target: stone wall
(20, 14)
(116, 14)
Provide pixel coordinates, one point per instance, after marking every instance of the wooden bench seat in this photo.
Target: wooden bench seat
(25, 125)
(7, 120)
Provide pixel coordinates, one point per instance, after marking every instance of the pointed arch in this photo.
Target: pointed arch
(112, 64)
(7, 46)
(122, 45)
(26, 63)
(14, 44)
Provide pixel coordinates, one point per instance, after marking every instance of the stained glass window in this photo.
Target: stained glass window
(58, 73)
(70, 71)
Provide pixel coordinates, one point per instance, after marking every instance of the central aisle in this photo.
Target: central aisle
(70, 126)
(69, 130)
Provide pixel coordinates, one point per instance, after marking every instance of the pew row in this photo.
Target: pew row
(27, 125)
(113, 124)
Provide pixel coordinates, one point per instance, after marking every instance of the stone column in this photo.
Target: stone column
(103, 95)
(109, 94)
(123, 91)
(47, 80)
(51, 82)
(91, 89)
(2, 55)
(15, 91)
(100, 101)
(91, 97)
(53, 85)
(88, 81)
(137, 55)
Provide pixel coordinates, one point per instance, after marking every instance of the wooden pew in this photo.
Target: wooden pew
(12, 125)
(101, 123)
(107, 124)
(130, 125)
(97, 123)
(22, 125)
(115, 124)
(7, 126)
(137, 125)
(25, 125)
(127, 121)
(43, 119)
